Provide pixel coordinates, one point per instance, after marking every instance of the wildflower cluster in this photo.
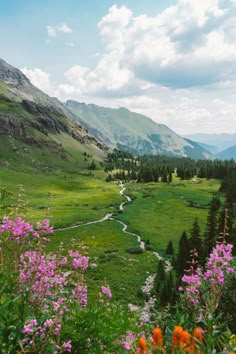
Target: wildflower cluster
(37, 336)
(192, 289)
(78, 260)
(217, 264)
(51, 286)
(20, 230)
(181, 342)
(128, 340)
(208, 286)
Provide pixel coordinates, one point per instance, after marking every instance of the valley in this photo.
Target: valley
(158, 212)
(143, 229)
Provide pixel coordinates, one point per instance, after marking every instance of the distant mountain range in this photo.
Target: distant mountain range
(36, 130)
(222, 145)
(228, 154)
(41, 131)
(219, 141)
(133, 132)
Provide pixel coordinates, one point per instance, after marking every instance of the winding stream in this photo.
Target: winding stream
(109, 217)
(145, 314)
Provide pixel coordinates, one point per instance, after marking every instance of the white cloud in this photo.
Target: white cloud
(53, 30)
(171, 66)
(112, 26)
(184, 46)
(39, 78)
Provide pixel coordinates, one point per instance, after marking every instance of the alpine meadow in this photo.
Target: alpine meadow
(117, 177)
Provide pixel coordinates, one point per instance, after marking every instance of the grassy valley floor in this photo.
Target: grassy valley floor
(161, 212)
(158, 212)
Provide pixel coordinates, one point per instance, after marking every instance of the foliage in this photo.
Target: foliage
(43, 297)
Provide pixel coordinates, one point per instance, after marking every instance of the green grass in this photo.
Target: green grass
(106, 246)
(161, 212)
(158, 212)
(74, 198)
(77, 199)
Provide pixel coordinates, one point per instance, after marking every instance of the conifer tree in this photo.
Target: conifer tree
(211, 232)
(183, 254)
(170, 249)
(160, 276)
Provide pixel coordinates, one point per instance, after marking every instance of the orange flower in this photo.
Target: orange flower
(157, 338)
(177, 336)
(142, 346)
(186, 340)
(198, 335)
(181, 339)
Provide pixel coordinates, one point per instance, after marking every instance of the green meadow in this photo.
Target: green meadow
(74, 198)
(158, 212)
(106, 245)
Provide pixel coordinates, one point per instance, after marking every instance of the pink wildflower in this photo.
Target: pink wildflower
(106, 291)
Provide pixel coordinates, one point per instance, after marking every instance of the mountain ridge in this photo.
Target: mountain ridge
(132, 131)
(228, 154)
(222, 140)
(34, 125)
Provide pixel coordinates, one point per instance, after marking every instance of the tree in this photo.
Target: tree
(183, 254)
(160, 276)
(92, 166)
(170, 249)
(211, 232)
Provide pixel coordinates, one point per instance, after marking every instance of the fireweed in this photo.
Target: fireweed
(204, 289)
(53, 291)
(52, 286)
(200, 295)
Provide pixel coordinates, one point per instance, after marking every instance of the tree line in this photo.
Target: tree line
(123, 165)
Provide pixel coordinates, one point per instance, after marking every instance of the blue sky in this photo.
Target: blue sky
(23, 39)
(173, 60)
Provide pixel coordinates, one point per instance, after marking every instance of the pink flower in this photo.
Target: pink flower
(217, 264)
(66, 346)
(58, 328)
(106, 291)
(80, 262)
(80, 292)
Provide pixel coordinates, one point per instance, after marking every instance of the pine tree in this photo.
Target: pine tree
(170, 249)
(160, 277)
(211, 232)
(183, 254)
(92, 166)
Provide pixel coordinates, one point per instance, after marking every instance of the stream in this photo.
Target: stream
(147, 287)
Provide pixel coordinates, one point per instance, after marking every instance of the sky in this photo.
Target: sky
(172, 60)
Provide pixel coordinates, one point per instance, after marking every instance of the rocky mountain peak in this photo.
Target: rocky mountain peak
(12, 76)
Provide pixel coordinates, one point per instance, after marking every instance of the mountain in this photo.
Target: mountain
(133, 132)
(228, 154)
(211, 148)
(36, 130)
(221, 141)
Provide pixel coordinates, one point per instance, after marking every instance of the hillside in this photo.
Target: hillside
(211, 148)
(228, 154)
(35, 129)
(133, 132)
